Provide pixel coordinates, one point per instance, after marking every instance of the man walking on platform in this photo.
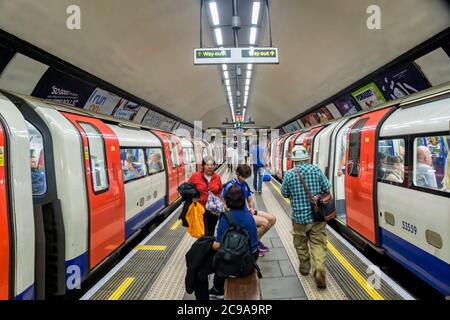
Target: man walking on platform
(309, 236)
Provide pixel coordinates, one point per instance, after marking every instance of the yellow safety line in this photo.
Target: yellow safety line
(279, 191)
(151, 248)
(121, 289)
(355, 274)
(175, 225)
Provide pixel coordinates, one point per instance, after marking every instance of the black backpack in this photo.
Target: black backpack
(234, 257)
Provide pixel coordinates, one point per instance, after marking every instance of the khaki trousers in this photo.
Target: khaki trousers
(310, 241)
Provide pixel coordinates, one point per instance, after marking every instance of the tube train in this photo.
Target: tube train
(389, 169)
(95, 182)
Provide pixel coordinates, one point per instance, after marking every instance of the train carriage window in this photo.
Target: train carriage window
(154, 160)
(37, 161)
(191, 155)
(97, 157)
(133, 164)
(391, 160)
(431, 162)
(354, 148)
(186, 156)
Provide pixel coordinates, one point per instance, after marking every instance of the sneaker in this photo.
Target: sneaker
(260, 253)
(216, 294)
(262, 247)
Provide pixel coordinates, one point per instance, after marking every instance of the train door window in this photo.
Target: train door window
(431, 162)
(97, 157)
(37, 161)
(191, 155)
(205, 152)
(133, 164)
(173, 157)
(154, 160)
(354, 148)
(391, 160)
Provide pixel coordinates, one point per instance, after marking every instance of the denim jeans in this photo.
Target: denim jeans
(257, 177)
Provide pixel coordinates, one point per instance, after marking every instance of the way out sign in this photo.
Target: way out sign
(236, 55)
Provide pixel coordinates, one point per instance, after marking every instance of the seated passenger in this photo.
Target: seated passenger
(381, 165)
(37, 178)
(129, 169)
(447, 173)
(235, 201)
(395, 170)
(155, 165)
(425, 173)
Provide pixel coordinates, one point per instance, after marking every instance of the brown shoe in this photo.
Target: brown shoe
(320, 280)
(304, 273)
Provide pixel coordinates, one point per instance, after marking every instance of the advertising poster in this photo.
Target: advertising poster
(157, 120)
(102, 101)
(61, 88)
(126, 110)
(310, 119)
(368, 96)
(401, 82)
(291, 127)
(346, 105)
(324, 115)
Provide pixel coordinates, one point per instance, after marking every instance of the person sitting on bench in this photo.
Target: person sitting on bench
(235, 201)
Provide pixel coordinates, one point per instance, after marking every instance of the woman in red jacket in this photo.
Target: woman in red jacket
(205, 181)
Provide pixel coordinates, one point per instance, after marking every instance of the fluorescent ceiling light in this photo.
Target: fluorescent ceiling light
(252, 35)
(227, 82)
(224, 67)
(255, 12)
(246, 89)
(226, 75)
(249, 74)
(215, 13)
(249, 66)
(228, 88)
(219, 39)
(247, 82)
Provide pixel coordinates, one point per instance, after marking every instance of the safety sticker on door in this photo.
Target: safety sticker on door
(2, 157)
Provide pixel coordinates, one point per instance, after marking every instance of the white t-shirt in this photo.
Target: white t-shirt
(207, 177)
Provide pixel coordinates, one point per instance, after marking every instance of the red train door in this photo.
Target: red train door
(5, 237)
(280, 149)
(289, 163)
(172, 167)
(309, 141)
(181, 166)
(105, 187)
(359, 180)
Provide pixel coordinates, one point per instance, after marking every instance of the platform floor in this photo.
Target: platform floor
(156, 268)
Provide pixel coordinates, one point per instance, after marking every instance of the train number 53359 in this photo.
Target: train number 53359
(409, 227)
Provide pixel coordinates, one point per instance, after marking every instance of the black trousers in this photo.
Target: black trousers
(210, 220)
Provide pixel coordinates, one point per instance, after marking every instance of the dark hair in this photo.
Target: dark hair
(234, 198)
(244, 170)
(207, 159)
(391, 160)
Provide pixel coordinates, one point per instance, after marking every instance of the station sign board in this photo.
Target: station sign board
(236, 55)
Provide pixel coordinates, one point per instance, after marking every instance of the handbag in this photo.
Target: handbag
(214, 204)
(322, 204)
(194, 217)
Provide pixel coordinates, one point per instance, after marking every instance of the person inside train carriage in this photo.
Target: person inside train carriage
(446, 181)
(264, 220)
(154, 163)
(130, 170)
(394, 169)
(205, 182)
(235, 201)
(382, 164)
(37, 177)
(425, 173)
(310, 239)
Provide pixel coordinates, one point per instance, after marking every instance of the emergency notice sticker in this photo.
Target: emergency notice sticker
(2, 157)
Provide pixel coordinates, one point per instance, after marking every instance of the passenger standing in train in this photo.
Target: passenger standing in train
(310, 239)
(395, 169)
(425, 173)
(264, 220)
(37, 179)
(206, 181)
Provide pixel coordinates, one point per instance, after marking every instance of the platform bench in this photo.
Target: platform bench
(243, 288)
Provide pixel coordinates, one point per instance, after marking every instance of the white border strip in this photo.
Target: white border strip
(394, 285)
(116, 268)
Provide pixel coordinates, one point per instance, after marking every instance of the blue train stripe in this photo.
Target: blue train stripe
(143, 217)
(27, 294)
(434, 271)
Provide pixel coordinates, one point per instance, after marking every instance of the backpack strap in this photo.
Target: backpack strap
(229, 218)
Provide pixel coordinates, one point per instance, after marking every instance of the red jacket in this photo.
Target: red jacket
(200, 182)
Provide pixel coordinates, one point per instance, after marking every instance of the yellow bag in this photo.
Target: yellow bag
(194, 218)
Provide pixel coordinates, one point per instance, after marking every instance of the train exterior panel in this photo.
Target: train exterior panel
(145, 193)
(18, 266)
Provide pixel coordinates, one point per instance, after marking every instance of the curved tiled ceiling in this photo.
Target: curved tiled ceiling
(145, 47)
